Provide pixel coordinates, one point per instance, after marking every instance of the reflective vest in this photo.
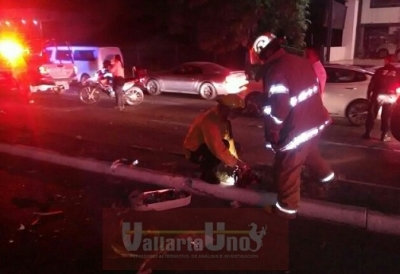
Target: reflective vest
(294, 112)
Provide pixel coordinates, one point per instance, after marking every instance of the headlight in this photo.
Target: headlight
(11, 50)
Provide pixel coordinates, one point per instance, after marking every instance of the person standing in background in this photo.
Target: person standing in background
(117, 70)
(313, 57)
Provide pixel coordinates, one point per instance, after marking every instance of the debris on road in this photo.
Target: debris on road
(159, 200)
(123, 161)
(52, 213)
(123, 253)
(170, 164)
(21, 227)
(10, 241)
(235, 204)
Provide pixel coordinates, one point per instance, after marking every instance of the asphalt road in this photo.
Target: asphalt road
(368, 169)
(74, 241)
(161, 123)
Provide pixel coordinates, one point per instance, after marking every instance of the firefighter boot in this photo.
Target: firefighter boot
(272, 210)
(385, 137)
(366, 135)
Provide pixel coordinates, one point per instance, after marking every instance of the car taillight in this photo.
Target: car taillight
(43, 70)
(236, 83)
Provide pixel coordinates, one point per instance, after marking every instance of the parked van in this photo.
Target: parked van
(88, 60)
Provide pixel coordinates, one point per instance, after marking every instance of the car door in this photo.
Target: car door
(343, 86)
(170, 80)
(181, 79)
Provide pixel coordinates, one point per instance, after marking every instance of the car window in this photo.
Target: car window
(192, 70)
(63, 55)
(178, 70)
(337, 75)
(187, 70)
(216, 69)
(84, 55)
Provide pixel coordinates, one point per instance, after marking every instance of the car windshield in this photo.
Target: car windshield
(215, 69)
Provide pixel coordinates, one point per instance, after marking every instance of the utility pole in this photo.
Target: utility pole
(329, 33)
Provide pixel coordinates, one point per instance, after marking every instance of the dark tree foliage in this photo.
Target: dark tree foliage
(221, 26)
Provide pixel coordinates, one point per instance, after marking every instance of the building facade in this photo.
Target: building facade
(372, 30)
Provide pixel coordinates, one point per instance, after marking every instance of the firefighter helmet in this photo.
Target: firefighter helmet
(231, 101)
(260, 45)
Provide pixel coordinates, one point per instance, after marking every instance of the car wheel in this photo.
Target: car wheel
(383, 53)
(357, 112)
(134, 96)
(253, 105)
(153, 87)
(207, 91)
(84, 78)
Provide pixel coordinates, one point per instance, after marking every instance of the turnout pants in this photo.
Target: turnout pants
(373, 110)
(205, 158)
(287, 170)
(118, 83)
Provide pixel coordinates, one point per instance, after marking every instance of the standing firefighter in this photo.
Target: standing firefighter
(381, 93)
(294, 119)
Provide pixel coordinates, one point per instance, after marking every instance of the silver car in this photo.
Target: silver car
(203, 78)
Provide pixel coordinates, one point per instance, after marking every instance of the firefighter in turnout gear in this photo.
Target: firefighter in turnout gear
(382, 93)
(294, 117)
(210, 141)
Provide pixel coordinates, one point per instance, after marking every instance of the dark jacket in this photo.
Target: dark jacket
(294, 110)
(384, 81)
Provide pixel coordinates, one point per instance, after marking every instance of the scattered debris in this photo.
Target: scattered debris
(52, 213)
(36, 222)
(170, 164)
(123, 161)
(10, 241)
(21, 227)
(123, 253)
(235, 204)
(159, 199)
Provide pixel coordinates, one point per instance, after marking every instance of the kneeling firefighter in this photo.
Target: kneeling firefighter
(210, 141)
(294, 117)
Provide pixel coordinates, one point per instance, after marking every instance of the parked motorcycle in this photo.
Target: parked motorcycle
(90, 94)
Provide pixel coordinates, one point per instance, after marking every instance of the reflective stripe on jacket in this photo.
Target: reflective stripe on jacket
(294, 111)
(210, 129)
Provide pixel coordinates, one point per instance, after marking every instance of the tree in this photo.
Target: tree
(221, 26)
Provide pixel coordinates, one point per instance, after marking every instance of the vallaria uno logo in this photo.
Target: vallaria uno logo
(209, 239)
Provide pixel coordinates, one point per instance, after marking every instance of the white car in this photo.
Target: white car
(387, 49)
(345, 93)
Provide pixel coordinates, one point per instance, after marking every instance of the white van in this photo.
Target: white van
(88, 60)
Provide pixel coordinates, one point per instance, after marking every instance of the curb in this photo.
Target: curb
(351, 215)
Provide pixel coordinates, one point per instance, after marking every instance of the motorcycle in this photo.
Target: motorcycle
(90, 94)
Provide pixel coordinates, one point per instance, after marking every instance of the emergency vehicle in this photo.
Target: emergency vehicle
(24, 65)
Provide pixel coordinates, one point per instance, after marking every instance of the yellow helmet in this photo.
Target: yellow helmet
(231, 100)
